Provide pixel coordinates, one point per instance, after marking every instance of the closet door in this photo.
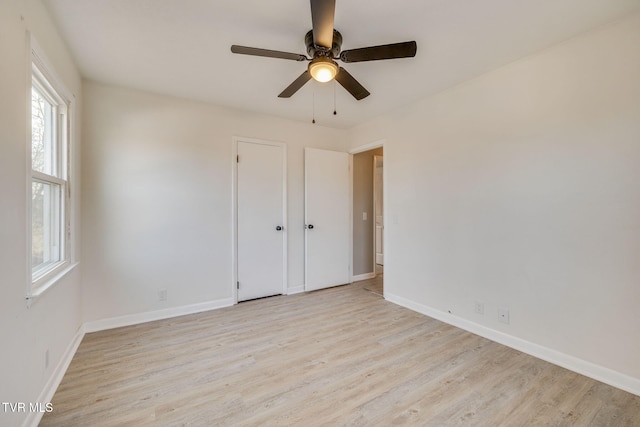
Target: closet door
(327, 219)
(261, 234)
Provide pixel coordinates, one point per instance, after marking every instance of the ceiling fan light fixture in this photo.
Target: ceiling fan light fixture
(323, 69)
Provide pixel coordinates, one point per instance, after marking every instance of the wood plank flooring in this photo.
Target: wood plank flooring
(340, 356)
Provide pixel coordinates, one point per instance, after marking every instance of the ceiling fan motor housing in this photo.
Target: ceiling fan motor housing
(315, 51)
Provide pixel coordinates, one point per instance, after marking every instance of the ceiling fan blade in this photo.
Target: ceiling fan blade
(351, 85)
(322, 12)
(296, 85)
(375, 53)
(244, 50)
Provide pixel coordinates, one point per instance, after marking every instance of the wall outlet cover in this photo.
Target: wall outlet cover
(503, 315)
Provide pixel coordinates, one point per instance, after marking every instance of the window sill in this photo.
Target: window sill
(50, 282)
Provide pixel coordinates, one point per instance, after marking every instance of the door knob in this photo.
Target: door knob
(279, 228)
(310, 226)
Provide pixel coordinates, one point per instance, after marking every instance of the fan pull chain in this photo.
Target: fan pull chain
(334, 98)
(313, 105)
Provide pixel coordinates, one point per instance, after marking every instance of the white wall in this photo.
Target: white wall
(54, 318)
(157, 178)
(521, 189)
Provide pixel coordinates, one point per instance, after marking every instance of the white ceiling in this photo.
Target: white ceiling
(182, 48)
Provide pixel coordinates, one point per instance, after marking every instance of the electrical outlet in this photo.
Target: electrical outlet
(364, 216)
(479, 307)
(162, 295)
(503, 315)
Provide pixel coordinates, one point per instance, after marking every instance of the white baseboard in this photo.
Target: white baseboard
(591, 370)
(363, 276)
(150, 316)
(295, 290)
(33, 418)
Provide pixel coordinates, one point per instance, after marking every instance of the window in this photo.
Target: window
(50, 227)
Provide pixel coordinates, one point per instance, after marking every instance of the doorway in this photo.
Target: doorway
(368, 216)
(378, 207)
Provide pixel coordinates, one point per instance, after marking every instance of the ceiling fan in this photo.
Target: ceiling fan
(324, 45)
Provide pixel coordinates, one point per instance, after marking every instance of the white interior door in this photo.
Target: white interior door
(261, 237)
(327, 218)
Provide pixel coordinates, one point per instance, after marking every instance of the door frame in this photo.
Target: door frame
(234, 211)
(359, 149)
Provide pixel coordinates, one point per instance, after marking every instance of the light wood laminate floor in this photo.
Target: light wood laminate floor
(340, 356)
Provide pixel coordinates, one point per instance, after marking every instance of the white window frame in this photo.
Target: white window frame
(42, 76)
